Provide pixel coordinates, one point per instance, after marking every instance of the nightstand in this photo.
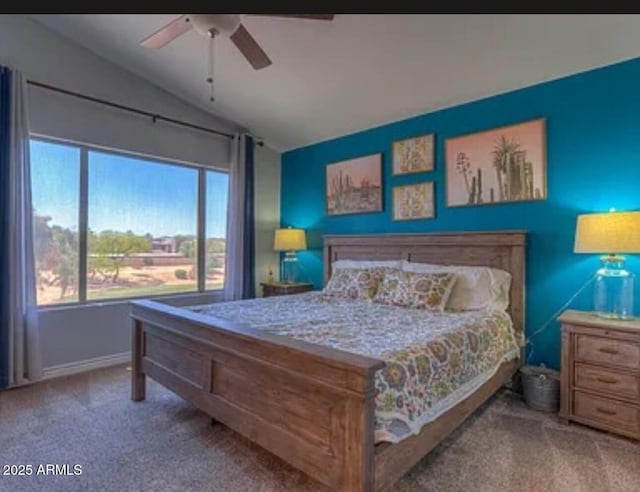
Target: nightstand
(600, 382)
(283, 289)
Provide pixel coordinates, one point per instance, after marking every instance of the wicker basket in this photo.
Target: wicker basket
(541, 388)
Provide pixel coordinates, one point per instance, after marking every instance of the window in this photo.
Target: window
(217, 188)
(55, 177)
(110, 225)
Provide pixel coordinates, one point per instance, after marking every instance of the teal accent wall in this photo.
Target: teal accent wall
(593, 164)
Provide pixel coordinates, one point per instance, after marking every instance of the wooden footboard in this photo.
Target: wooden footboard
(310, 405)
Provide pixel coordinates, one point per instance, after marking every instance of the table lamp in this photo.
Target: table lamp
(610, 234)
(289, 240)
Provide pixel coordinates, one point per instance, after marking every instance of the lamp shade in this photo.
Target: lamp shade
(612, 232)
(289, 240)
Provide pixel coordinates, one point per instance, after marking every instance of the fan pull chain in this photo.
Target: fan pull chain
(212, 37)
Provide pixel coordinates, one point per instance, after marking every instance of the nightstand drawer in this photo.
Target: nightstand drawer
(606, 411)
(608, 381)
(608, 351)
(600, 383)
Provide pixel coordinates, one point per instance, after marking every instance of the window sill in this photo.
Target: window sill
(167, 298)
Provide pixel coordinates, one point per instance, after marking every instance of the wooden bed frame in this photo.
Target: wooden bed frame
(311, 405)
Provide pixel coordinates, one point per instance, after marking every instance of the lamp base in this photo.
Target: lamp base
(614, 316)
(613, 290)
(289, 268)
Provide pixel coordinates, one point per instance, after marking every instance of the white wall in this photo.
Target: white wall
(267, 213)
(72, 334)
(45, 56)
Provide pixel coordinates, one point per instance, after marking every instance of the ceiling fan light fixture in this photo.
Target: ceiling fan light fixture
(220, 23)
(211, 25)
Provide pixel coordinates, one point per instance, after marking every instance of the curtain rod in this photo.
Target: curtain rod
(122, 107)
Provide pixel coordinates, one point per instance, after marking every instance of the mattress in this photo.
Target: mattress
(433, 360)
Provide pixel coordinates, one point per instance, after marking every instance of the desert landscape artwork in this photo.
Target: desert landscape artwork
(413, 155)
(501, 165)
(413, 201)
(355, 185)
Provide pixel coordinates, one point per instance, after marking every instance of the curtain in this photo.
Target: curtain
(249, 223)
(20, 360)
(5, 118)
(240, 250)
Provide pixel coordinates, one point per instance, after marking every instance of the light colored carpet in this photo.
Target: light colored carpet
(164, 444)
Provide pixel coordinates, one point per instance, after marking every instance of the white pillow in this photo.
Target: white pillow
(501, 283)
(475, 288)
(360, 264)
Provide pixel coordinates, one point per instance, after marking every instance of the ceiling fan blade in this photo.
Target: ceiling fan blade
(168, 33)
(250, 48)
(327, 17)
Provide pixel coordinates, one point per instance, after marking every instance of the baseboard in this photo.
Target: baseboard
(86, 365)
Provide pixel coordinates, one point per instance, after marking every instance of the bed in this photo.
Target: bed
(315, 405)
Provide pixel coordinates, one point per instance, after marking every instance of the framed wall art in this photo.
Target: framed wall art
(355, 186)
(413, 155)
(413, 201)
(502, 165)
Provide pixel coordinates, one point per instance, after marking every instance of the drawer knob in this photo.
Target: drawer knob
(606, 380)
(605, 411)
(608, 350)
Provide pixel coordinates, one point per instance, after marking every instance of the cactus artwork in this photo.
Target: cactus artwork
(509, 162)
(355, 186)
(413, 155)
(474, 187)
(413, 201)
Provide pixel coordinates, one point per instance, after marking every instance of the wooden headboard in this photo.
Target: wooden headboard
(498, 249)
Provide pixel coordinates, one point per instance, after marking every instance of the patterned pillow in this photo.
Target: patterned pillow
(355, 283)
(428, 291)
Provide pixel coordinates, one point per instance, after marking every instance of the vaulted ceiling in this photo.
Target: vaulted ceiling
(357, 71)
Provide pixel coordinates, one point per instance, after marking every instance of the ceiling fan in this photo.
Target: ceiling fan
(212, 25)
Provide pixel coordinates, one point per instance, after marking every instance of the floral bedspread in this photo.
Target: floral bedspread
(434, 360)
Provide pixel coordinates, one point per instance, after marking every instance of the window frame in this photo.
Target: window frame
(83, 222)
